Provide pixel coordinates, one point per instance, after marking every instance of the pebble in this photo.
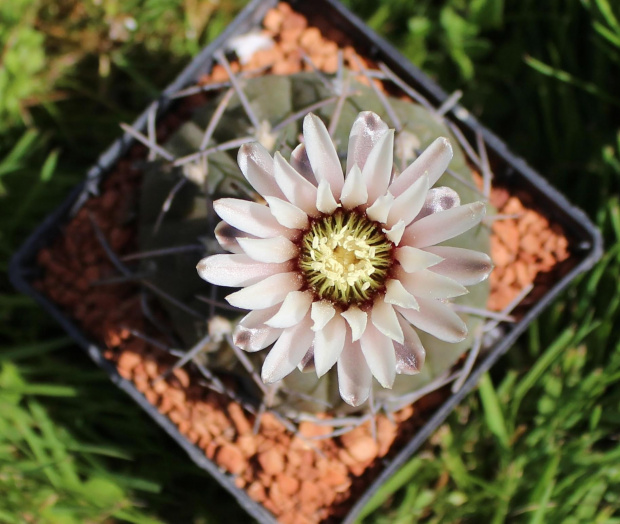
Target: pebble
(309, 492)
(294, 459)
(273, 20)
(508, 233)
(128, 361)
(522, 274)
(269, 422)
(531, 243)
(151, 367)
(177, 416)
(152, 396)
(501, 255)
(272, 461)
(509, 275)
(176, 396)
(182, 376)
(294, 20)
(288, 484)
(363, 448)
(256, 491)
(160, 386)
(386, 433)
(281, 500)
(286, 67)
(247, 445)
(165, 404)
(310, 39)
(240, 482)
(310, 430)
(266, 57)
(334, 473)
(231, 459)
(142, 383)
(210, 449)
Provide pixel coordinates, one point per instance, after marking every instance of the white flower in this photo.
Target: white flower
(337, 270)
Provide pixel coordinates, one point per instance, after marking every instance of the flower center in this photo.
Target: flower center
(345, 257)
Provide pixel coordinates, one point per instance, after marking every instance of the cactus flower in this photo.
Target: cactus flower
(344, 268)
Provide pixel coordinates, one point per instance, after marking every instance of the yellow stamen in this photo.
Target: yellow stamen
(345, 257)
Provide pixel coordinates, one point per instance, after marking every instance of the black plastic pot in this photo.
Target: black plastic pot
(585, 241)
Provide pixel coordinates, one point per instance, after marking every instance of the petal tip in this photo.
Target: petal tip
(461, 333)
(353, 400)
(446, 143)
(268, 377)
(203, 267)
(243, 150)
(479, 207)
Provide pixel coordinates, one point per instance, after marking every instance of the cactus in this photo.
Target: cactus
(176, 209)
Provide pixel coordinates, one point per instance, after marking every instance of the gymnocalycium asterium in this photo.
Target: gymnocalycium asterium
(344, 268)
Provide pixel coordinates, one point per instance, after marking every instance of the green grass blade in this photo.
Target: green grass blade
(393, 484)
(545, 360)
(565, 77)
(541, 495)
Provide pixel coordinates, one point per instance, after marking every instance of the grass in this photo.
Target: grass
(537, 442)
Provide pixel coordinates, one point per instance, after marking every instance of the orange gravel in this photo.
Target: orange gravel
(522, 248)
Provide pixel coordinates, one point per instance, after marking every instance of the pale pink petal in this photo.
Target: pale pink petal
(410, 355)
(395, 233)
(328, 344)
(322, 153)
(366, 131)
(439, 199)
(287, 352)
(237, 270)
(274, 250)
(354, 192)
(322, 312)
(433, 161)
(292, 311)
(384, 319)
(414, 259)
(267, 292)
(307, 363)
(380, 209)
(295, 187)
(409, 203)
(255, 219)
(256, 165)
(379, 354)
(397, 295)
(325, 201)
(377, 171)
(428, 284)
(226, 236)
(287, 214)
(251, 333)
(356, 318)
(437, 319)
(466, 266)
(444, 225)
(354, 376)
(301, 163)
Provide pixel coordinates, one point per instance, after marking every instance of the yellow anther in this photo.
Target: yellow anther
(345, 257)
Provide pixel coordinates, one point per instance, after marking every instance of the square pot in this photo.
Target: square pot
(584, 242)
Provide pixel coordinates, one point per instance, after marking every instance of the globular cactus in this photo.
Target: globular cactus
(348, 273)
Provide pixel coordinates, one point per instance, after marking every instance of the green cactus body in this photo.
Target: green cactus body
(190, 218)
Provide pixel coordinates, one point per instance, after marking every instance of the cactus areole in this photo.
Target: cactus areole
(342, 268)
